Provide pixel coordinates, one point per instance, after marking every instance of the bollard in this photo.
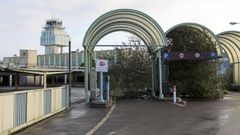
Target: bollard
(174, 94)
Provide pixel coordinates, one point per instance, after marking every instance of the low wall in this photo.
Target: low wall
(23, 108)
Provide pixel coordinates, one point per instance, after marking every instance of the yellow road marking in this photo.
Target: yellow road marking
(102, 121)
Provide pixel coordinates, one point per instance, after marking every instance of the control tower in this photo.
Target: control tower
(53, 37)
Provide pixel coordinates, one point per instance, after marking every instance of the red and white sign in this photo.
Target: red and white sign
(174, 88)
(197, 55)
(102, 65)
(181, 55)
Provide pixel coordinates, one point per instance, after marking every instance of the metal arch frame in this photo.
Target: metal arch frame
(205, 30)
(123, 15)
(231, 47)
(233, 50)
(133, 21)
(122, 27)
(228, 52)
(233, 38)
(230, 34)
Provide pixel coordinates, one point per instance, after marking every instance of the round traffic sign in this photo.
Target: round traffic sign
(181, 55)
(101, 63)
(174, 88)
(197, 55)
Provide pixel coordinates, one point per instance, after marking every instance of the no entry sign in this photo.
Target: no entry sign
(102, 65)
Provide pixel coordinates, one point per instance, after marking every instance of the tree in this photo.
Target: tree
(227, 78)
(130, 69)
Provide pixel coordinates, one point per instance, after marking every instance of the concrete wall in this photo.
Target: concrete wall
(28, 58)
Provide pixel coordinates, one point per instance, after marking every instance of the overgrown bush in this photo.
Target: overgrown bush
(226, 79)
(130, 70)
(194, 78)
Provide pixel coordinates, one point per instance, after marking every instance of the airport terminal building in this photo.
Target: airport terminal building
(54, 39)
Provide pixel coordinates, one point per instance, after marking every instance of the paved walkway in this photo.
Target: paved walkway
(76, 121)
(78, 94)
(146, 117)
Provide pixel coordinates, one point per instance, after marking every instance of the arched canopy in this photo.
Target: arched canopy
(230, 41)
(128, 20)
(200, 29)
(133, 21)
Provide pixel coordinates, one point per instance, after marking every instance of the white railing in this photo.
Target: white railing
(23, 108)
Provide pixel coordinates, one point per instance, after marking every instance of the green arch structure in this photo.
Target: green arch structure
(146, 28)
(230, 42)
(132, 21)
(201, 28)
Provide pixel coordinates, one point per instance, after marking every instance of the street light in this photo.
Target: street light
(69, 70)
(233, 23)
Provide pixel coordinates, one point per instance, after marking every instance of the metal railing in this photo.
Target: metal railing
(23, 108)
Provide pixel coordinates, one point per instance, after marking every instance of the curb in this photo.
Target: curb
(182, 104)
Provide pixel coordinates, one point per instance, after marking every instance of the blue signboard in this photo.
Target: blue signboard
(171, 56)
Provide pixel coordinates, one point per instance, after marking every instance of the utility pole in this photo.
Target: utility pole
(69, 71)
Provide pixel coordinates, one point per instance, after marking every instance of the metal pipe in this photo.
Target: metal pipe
(10, 80)
(86, 65)
(153, 77)
(160, 76)
(70, 71)
(45, 80)
(107, 88)
(101, 86)
(158, 46)
(16, 81)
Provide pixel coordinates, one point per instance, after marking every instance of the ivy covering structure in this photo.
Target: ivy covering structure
(194, 78)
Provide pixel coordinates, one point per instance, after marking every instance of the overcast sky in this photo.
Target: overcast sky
(22, 20)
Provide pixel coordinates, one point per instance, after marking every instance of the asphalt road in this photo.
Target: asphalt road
(77, 94)
(145, 117)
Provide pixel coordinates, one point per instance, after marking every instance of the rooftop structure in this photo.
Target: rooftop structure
(27, 59)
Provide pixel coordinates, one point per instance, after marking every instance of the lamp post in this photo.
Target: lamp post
(233, 23)
(70, 70)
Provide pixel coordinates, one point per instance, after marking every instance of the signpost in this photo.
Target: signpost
(101, 66)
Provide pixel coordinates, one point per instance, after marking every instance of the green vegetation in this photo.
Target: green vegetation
(196, 79)
(130, 70)
(226, 79)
